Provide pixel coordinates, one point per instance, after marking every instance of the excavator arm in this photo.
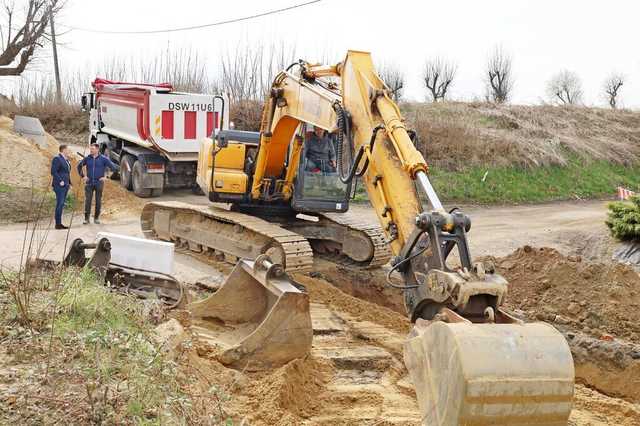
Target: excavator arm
(470, 361)
(291, 101)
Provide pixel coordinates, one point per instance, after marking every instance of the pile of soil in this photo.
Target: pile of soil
(24, 164)
(596, 299)
(26, 169)
(596, 306)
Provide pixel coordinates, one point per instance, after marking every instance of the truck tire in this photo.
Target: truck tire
(126, 166)
(136, 181)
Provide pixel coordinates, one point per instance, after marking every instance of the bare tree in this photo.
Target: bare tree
(499, 76)
(248, 71)
(438, 74)
(394, 78)
(24, 33)
(565, 87)
(611, 87)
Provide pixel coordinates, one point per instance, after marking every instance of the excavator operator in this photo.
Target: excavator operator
(320, 153)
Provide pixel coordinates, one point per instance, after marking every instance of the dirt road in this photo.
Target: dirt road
(569, 227)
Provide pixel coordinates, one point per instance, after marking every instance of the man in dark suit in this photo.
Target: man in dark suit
(60, 172)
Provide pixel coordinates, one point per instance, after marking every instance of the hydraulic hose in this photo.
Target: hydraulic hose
(344, 134)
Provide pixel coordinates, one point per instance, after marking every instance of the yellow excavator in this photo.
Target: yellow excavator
(471, 362)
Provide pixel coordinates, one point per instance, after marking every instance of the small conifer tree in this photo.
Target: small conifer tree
(624, 219)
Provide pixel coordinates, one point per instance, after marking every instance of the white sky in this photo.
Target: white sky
(592, 38)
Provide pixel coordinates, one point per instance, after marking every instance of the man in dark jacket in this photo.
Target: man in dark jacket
(60, 172)
(319, 152)
(96, 165)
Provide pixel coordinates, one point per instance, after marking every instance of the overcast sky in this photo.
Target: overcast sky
(592, 38)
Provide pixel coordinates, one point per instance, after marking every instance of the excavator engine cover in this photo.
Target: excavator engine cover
(257, 319)
(490, 374)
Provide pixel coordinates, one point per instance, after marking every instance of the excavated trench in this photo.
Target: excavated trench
(596, 307)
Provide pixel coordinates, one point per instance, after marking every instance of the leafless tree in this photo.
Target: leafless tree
(23, 32)
(438, 74)
(611, 87)
(394, 78)
(565, 87)
(499, 76)
(248, 71)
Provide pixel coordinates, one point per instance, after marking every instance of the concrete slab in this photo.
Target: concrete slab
(31, 129)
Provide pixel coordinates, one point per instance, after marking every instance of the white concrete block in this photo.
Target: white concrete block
(140, 253)
(30, 128)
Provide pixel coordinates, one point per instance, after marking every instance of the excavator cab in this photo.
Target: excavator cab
(318, 187)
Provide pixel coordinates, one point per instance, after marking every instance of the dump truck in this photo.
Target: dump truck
(152, 131)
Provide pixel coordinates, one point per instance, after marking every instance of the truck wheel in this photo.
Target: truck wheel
(137, 173)
(126, 164)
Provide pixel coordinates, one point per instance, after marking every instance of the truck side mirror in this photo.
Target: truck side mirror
(83, 102)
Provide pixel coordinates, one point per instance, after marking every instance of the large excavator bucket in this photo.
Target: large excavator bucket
(257, 319)
(490, 374)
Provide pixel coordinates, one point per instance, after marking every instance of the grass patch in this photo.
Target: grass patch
(99, 364)
(578, 179)
(18, 204)
(116, 346)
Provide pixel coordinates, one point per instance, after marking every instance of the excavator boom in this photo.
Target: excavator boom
(470, 361)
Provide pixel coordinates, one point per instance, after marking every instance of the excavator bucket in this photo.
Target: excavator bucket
(490, 374)
(258, 319)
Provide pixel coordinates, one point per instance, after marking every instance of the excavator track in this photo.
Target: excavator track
(342, 238)
(381, 253)
(235, 235)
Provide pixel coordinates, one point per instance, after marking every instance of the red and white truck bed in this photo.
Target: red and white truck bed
(155, 126)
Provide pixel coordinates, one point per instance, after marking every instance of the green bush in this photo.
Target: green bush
(624, 219)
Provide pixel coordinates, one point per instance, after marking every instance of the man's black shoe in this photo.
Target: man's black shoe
(61, 227)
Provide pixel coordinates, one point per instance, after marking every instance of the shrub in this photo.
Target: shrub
(624, 219)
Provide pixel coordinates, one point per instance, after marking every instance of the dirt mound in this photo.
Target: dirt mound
(294, 392)
(594, 409)
(595, 305)
(24, 164)
(595, 298)
(321, 291)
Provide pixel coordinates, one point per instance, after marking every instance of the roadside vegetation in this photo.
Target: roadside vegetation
(78, 353)
(624, 219)
(490, 153)
(577, 180)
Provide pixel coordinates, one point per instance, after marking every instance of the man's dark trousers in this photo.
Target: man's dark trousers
(61, 196)
(89, 189)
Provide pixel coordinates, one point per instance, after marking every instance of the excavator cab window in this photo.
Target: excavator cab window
(318, 187)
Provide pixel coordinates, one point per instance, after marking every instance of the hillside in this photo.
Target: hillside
(487, 153)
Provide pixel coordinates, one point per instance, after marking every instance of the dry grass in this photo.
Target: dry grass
(454, 135)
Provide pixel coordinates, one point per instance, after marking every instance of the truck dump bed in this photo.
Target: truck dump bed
(156, 117)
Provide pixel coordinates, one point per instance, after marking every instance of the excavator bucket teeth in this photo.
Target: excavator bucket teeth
(490, 374)
(257, 319)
